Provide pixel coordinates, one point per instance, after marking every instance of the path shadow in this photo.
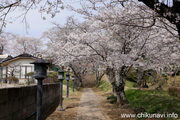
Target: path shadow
(73, 105)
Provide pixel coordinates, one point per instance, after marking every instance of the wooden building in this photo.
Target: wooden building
(16, 66)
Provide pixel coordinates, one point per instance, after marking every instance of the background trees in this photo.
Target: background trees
(15, 45)
(26, 45)
(3, 44)
(5, 39)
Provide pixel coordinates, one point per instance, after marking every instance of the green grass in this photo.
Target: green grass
(70, 81)
(153, 101)
(112, 99)
(70, 87)
(129, 84)
(105, 85)
(70, 84)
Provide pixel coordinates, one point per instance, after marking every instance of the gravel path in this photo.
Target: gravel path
(89, 107)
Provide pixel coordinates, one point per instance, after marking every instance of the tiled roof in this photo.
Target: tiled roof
(1, 59)
(19, 56)
(24, 55)
(5, 59)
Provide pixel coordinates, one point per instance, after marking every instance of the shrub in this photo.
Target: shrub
(112, 99)
(174, 91)
(177, 73)
(132, 75)
(29, 74)
(53, 74)
(165, 76)
(135, 85)
(13, 79)
(29, 77)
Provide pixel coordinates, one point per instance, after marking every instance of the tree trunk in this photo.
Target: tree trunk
(1, 50)
(174, 78)
(97, 78)
(170, 77)
(138, 79)
(111, 78)
(78, 84)
(113, 90)
(117, 80)
(119, 89)
(178, 27)
(119, 86)
(121, 97)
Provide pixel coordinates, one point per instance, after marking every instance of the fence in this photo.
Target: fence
(51, 80)
(19, 103)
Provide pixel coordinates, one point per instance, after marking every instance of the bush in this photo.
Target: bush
(53, 74)
(177, 73)
(13, 79)
(112, 99)
(165, 76)
(174, 91)
(29, 74)
(135, 85)
(29, 77)
(132, 75)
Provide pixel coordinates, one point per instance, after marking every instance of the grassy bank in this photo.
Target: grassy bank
(150, 101)
(153, 101)
(105, 85)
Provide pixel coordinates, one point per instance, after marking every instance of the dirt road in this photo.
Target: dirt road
(89, 107)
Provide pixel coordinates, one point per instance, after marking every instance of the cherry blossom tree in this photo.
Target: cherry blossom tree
(168, 9)
(118, 38)
(5, 40)
(130, 42)
(3, 44)
(9, 6)
(66, 51)
(29, 45)
(80, 67)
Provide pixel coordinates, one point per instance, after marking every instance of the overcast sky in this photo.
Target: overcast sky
(36, 24)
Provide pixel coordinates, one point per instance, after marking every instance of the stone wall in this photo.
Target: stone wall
(19, 103)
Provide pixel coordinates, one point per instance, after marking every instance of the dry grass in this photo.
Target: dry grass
(114, 111)
(173, 80)
(70, 106)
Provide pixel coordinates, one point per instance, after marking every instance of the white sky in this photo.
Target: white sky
(36, 24)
